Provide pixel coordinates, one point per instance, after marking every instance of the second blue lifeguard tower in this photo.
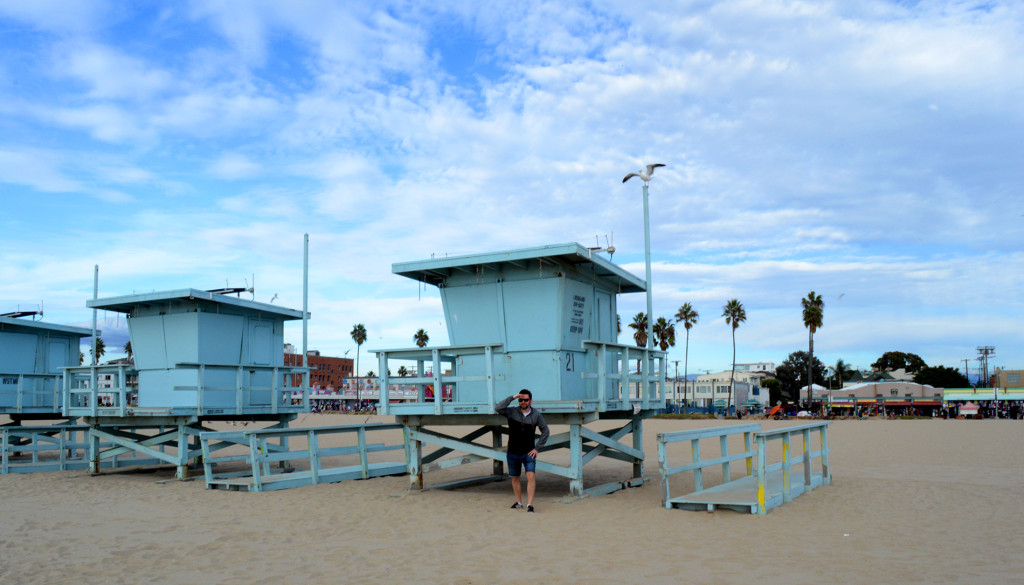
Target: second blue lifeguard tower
(542, 318)
(33, 355)
(200, 356)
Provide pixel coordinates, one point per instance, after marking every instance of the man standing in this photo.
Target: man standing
(522, 451)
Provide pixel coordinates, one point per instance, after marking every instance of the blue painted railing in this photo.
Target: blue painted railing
(269, 446)
(765, 485)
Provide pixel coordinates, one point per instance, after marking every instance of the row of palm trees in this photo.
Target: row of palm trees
(358, 334)
(734, 314)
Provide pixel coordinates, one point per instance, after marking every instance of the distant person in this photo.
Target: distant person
(523, 423)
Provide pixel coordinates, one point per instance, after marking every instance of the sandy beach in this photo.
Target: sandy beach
(912, 501)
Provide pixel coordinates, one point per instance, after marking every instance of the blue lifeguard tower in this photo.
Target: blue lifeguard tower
(541, 318)
(199, 356)
(32, 357)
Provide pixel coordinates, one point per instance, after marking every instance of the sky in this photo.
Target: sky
(869, 151)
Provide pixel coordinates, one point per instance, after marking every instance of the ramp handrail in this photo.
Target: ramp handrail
(698, 464)
(262, 452)
(804, 458)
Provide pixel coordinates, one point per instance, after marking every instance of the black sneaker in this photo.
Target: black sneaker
(529, 508)
(517, 505)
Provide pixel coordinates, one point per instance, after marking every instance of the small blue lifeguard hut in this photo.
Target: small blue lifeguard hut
(32, 355)
(200, 355)
(541, 318)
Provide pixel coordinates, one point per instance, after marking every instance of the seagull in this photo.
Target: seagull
(644, 176)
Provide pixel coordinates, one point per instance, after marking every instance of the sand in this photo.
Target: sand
(915, 501)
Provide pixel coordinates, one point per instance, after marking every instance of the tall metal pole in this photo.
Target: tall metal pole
(647, 251)
(95, 295)
(305, 321)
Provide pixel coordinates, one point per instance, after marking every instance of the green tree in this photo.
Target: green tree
(841, 372)
(941, 377)
(402, 371)
(664, 333)
(774, 388)
(371, 374)
(421, 338)
(813, 311)
(734, 314)
(688, 316)
(894, 360)
(128, 350)
(639, 327)
(358, 336)
(101, 350)
(792, 374)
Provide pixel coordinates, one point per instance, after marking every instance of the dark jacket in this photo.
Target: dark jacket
(522, 429)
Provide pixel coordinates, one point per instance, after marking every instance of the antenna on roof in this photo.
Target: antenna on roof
(609, 245)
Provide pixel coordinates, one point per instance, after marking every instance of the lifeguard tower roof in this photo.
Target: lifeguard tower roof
(572, 255)
(42, 326)
(125, 304)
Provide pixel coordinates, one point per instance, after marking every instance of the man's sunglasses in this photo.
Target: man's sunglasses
(524, 400)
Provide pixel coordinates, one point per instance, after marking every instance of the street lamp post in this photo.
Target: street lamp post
(645, 176)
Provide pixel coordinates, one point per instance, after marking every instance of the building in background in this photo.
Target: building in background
(324, 371)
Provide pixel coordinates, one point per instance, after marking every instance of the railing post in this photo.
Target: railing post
(489, 365)
(123, 388)
(200, 388)
(663, 471)
(826, 474)
(698, 472)
(313, 444)
(275, 399)
(602, 378)
(786, 497)
(748, 445)
(255, 463)
(362, 452)
(239, 376)
(724, 447)
(384, 396)
(807, 459)
(438, 383)
(762, 474)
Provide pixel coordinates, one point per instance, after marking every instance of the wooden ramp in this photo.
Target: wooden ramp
(269, 446)
(764, 485)
(741, 495)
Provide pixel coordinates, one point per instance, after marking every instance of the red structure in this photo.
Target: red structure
(325, 371)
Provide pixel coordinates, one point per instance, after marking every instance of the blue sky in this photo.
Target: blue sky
(869, 151)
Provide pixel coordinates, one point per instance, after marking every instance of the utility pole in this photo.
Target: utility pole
(967, 372)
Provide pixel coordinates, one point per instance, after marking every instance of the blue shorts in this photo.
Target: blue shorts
(516, 462)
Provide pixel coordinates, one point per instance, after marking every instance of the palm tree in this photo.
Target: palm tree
(734, 315)
(128, 350)
(639, 327)
(358, 336)
(664, 333)
(840, 372)
(688, 317)
(421, 338)
(101, 349)
(402, 371)
(814, 308)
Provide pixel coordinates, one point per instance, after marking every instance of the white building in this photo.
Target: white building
(709, 388)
